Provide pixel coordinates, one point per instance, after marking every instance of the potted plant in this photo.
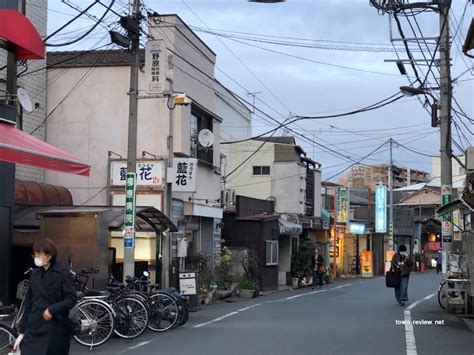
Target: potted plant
(246, 288)
(248, 284)
(301, 263)
(201, 263)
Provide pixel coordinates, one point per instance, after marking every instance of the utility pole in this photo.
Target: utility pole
(445, 125)
(129, 224)
(390, 187)
(168, 240)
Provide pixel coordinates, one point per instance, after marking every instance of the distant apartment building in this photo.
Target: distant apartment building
(368, 176)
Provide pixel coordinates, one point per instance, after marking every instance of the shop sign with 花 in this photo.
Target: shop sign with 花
(149, 173)
(183, 175)
(381, 209)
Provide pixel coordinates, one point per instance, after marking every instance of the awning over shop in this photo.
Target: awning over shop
(325, 215)
(19, 147)
(147, 218)
(17, 30)
(289, 228)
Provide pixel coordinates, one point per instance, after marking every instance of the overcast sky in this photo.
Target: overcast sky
(320, 84)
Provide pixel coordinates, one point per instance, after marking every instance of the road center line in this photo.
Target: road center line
(259, 304)
(409, 330)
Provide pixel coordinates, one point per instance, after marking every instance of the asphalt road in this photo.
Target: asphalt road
(358, 316)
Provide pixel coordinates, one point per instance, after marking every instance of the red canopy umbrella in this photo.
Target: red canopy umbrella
(16, 29)
(17, 146)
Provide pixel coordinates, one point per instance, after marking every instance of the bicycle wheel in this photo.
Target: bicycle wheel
(442, 295)
(7, 339)
(131, 317)
(183, 314)
(97, 318)
(164, 312)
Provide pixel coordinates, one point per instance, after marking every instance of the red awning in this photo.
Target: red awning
(19, 147)
(16, 29)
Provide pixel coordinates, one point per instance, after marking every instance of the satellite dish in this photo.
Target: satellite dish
(206, 138)
(24, 99)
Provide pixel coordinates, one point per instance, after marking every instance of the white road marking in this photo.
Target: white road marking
(409, 331)
(139, 345)
(259, 304)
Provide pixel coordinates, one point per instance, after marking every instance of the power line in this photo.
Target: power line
(312, 60)
(358, 162)
(241, 62)
(87, 32)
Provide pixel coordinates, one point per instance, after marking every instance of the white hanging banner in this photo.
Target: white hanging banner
(381, 209)
(155, 68)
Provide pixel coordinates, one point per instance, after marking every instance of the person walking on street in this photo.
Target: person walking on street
(49, 298)
(402, 262)
(317, 267)
(439, 261)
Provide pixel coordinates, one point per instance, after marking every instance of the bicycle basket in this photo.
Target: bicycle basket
(22, 288)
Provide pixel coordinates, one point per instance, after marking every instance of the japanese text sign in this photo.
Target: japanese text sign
(149, 173)
(129, 222)
(155, 60)
(342, 207)
(184, 174)
(381, 209)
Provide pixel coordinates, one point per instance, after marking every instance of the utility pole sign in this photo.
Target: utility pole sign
(129, 222)
(446, 227)
(155, 58)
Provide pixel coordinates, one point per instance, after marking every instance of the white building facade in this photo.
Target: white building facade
(279, 171)
(92, 122)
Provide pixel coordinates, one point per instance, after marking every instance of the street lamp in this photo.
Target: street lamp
(411, 91)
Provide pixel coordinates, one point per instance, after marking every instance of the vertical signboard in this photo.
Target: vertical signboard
(129, 222)
(446, 227)
(342, 207)
(366, 263)
(381, 209)
(184, 175)
(155, 59)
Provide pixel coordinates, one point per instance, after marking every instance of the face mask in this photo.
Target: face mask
(39, 262)
(404, 253)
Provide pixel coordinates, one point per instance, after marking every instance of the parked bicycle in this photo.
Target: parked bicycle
(129, 313)
(9, 333)
(168, 299)
(97, 316)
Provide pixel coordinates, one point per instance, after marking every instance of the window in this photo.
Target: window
(271, 252)
(261, 170)
(200, 121)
